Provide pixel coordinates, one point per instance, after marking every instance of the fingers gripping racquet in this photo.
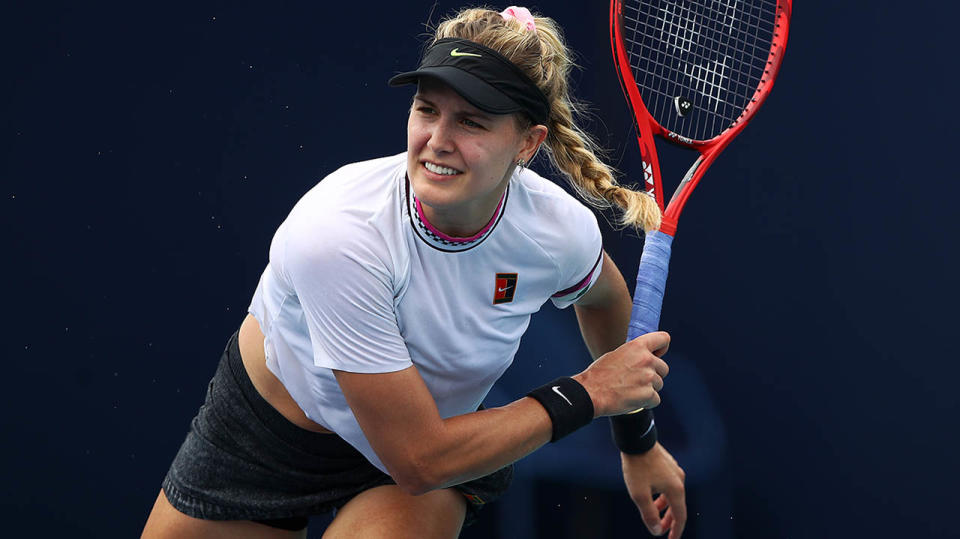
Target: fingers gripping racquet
(694, 74)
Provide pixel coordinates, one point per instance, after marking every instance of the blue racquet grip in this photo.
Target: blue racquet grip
(651, 282)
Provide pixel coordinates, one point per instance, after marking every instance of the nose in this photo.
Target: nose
(441, 138)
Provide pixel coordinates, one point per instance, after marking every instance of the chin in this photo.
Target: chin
(433, 195)
(434, 191)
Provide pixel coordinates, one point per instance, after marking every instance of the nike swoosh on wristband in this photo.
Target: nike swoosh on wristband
(456, 52)
(556, 389)
(503, 289)
(650, 428)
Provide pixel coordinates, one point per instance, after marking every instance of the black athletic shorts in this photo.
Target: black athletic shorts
(242, 460)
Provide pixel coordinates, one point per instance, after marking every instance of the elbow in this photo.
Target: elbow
(413, 486)
(415, 476)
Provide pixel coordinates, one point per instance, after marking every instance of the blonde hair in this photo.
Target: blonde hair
(544, 57)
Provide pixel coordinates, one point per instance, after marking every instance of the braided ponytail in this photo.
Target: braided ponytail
(544, 57)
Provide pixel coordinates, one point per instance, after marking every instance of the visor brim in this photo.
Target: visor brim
(472, 88)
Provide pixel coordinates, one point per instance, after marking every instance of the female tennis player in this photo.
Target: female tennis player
(396, 295)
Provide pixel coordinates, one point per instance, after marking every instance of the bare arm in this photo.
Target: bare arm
(423, 451)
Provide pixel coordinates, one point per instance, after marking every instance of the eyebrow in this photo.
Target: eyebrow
(474, 112)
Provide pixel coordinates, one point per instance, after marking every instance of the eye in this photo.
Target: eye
(425, 109)
(470, 123)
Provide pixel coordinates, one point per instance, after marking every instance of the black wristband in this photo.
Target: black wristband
(568, 404)
(634, 433)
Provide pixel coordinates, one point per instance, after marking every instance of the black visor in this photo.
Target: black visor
(482, 76)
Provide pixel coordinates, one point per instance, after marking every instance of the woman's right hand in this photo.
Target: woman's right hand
(628, 378)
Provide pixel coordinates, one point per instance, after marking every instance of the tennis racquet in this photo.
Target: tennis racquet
(694, 74)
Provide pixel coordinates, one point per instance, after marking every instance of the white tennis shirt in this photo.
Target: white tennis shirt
(359, 281)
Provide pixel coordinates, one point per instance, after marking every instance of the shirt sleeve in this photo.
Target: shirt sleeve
(580, 257)
(343, 281)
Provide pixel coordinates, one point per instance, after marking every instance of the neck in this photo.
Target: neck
(452, 224)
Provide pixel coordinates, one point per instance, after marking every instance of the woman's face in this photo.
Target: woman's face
(459, 158)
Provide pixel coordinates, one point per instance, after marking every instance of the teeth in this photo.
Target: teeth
(437, 169)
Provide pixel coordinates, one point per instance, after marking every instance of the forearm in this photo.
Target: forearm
(423, 451)
(476, 444)
(453, 450)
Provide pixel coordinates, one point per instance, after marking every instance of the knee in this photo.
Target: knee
(389, 511)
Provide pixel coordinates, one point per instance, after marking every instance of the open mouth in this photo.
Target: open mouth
(441, 170)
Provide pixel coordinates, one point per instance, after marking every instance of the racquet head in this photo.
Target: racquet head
(694, 74)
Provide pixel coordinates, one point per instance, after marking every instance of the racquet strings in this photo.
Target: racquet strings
(697, 65)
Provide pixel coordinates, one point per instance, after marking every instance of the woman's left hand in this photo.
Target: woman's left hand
(656, 472)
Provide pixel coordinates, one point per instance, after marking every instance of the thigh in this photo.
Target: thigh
(166, 522)
(388, 511)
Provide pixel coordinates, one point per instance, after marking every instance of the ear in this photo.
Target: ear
(532, 139)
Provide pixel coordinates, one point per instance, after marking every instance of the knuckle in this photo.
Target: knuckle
(654, 400)
(645, 359)
(659, 365)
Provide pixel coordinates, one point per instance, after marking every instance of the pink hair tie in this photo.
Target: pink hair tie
(522, 14)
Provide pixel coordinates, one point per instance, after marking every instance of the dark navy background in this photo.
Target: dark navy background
(149, 152)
